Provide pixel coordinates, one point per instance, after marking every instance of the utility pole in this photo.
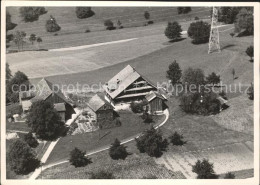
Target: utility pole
(214, 33)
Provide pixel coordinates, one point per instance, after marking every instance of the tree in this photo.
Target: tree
(119, 24)
(152, 143)
(250, 92)
(193, 77)
(173, 30)
(109, 24)
(19, 39)
(204, 170)
(177, 139)
(8, 74)
(228, 14)
(183, 10)
(21, 158)
(102, 175)
(250, 52)
(52, 25)
(38, 40)
(84, 12)
(146, 15)
(245, 22)
(174, 73)
(31, 14)
(232, 34)
(32, 38)
(229, 175)
(9, 24)
(148, 118)
(30, 140)
(213, 79)
(78, 158)
(233, 73)
(117, 151)
(199, 32)
(44, 120)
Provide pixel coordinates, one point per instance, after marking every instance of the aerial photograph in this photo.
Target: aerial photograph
(129, 92)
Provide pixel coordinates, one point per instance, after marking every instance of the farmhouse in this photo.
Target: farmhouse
(155, 102)
(46, 91)
(127, 86)
(100, 109)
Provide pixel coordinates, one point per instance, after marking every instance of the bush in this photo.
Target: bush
(213, 79)
(44, 120)
(193, 77)
(78, 158)
(102, 175)
(9, 24)
(15, 109)
(117, 151)
(204, 170)
(173, 30)
(30, 14)
(148, 118)
(109, 24)
(137, 107)
(146, 15)
(150, 22)
(84, 12)
(199, 32)
(152, 143)
(87, 30)
(30, 140)
(232, 34)
(51, 25)
(174, 73)
(196, 18)
(177, 139)
(22, 159)
(250, 52)
(229, 175)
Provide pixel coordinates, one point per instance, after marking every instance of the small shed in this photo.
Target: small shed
(223, 103)
(100, 108)
(155, 102)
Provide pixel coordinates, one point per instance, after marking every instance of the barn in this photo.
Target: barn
(127, 86)
(46, 91)
(155, 102)
(100, 109)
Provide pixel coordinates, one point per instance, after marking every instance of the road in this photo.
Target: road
(38, 171)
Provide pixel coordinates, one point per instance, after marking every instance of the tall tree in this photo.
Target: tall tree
(117, 151)
(52, 25)
(44, 120)
(21, 158)
(32, 38)
(31, 14)
(204, 170)
(84, 12)
(250, 52)
(213, 78)
(193, 77)
(146, 15)
(152, 143)
(199, 32)
(174, 73)
(9, 24)
(8, 74)
(250, 92)
(173, 30)
(78, 158)
(19, 39)
(245, 22)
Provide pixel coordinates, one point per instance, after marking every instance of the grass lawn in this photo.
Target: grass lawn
(74, 28)
(132, 124)
(134, 166)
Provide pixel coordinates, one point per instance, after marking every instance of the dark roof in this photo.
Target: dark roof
(149, 97)
(44, 89)
(60, 107)
(122, 80)
(96, 102)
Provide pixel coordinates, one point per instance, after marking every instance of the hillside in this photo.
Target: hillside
(73, 29)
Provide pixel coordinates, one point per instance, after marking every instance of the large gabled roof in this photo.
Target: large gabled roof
(96, 102)
(123, 79)
(45, 88)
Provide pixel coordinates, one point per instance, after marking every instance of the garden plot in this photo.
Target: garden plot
(226, 158)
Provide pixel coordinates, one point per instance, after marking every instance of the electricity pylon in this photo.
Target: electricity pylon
(214, 34)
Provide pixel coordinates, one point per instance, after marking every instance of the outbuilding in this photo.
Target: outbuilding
(155, 102)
